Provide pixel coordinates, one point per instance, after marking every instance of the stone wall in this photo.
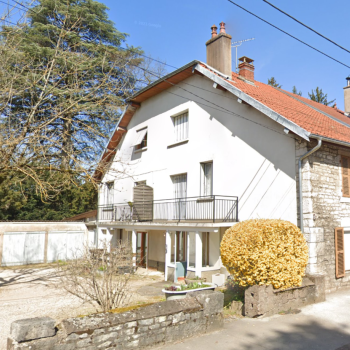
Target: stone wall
(266, 301)
(149, 326)
(323, 206)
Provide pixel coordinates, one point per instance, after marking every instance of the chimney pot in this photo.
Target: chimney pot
(246, 68)
(214, 31)
(222, 27)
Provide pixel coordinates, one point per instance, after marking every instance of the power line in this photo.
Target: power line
(294, 19)
(281, 30)
(160, 77)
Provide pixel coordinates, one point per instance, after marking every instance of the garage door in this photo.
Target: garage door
(21, 248)
(64, 245)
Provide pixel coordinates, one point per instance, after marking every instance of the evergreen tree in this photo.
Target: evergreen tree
(21, 201)
(320, 97)
(295, 91)
(272, 81)
(64, 79)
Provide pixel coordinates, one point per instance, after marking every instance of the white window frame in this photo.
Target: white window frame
(181, 129)
(203, 182)
(109, 192)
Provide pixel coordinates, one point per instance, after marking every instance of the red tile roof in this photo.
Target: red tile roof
(306, 113)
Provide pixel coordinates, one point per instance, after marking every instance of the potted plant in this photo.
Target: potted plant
(196, 279)
(179, 292)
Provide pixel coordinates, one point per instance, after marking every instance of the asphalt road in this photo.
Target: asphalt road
(323, 326)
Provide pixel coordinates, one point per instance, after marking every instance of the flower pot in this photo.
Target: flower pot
(180, 294)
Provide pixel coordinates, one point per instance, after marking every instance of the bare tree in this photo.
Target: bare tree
(99, 277)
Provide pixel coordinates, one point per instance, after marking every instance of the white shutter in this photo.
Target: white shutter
(139, 137)
(181, 127)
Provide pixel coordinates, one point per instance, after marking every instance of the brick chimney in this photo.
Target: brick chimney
(347, 96)
(246, 68)
(219, 50)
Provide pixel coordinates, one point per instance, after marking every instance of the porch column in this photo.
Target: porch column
(133, 244)
(167, 253)
(198, 254)
(99, 237)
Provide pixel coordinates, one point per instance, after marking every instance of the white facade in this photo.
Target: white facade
(252, 158)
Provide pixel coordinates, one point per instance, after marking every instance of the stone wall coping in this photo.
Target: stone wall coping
(306, 283)
(165, 308)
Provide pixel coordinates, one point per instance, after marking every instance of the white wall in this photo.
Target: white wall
(252, 158)
(156, 245)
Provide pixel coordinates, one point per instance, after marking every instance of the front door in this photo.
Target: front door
(141, 249)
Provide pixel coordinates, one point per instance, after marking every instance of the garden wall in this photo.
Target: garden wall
(266, 301)
(152, 325)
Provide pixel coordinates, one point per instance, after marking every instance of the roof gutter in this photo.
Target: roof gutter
(307, 154)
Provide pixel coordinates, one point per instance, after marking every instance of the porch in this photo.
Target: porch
(177, 250)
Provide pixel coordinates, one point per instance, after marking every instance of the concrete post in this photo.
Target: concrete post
(134, 246)
(167, 253)
(198, 254)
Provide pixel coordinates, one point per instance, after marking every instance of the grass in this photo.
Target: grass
(232, 295)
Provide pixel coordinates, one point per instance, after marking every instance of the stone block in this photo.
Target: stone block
(211, 303)
(146, 322)
(32, 328)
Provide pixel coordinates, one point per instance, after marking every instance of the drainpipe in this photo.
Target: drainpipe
(301, 214)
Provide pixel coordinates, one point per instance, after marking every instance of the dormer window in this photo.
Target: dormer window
(141, 139)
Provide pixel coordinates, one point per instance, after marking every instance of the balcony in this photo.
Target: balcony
(209, 209)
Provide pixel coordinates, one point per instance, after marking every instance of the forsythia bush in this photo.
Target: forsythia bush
(266, 252)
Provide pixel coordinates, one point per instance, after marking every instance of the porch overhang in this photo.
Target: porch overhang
(171, 226)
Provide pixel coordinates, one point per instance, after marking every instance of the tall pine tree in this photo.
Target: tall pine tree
(64, 79)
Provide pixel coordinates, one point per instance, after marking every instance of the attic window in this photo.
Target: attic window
(141, 139)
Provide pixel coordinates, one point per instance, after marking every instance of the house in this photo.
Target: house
(205, 147)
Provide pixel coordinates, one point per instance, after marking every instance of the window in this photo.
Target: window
(109, 192)
(205, 249)
(140, 183)
(181, 127)
(181, 246)
(141, 139)
(206, 179)
(345, 170)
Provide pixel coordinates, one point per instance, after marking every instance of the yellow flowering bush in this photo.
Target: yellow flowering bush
(263, 251)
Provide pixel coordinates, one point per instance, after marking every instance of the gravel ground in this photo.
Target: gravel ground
(31, 292)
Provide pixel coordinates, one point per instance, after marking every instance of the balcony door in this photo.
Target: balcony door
(180, 194)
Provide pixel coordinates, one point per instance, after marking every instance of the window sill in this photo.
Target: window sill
(140, 150)
(344, 199)
(178, 143)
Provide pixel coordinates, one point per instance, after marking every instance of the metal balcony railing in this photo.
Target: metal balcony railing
(202, 209)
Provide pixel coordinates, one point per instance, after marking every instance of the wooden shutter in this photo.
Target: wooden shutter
(345, 164)
(143, 203)
(339, 252)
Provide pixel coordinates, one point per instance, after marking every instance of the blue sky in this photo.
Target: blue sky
(176, 32)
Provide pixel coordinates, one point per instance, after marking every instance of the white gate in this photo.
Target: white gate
(21, 248)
